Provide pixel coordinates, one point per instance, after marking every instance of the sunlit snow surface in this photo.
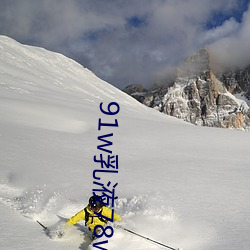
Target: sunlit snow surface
(182, 185)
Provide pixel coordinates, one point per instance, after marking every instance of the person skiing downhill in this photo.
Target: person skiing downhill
(92, 219)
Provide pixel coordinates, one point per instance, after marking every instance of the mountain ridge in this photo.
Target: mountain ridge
(200, 95)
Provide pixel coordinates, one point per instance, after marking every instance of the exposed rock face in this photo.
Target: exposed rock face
(199, 97)
(137, 91)
(237, 81)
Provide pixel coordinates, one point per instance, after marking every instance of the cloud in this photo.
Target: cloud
(121, 41)
(228, 28)
(232, 50)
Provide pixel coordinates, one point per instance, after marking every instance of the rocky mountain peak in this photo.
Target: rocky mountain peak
(196, 64)
(200, 96)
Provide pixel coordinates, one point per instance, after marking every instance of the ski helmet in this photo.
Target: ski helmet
(95, 203)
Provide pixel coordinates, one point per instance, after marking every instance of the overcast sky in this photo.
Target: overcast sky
(131, 41)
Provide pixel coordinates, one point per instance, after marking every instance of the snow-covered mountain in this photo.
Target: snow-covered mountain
(201, 96)
(182, 185)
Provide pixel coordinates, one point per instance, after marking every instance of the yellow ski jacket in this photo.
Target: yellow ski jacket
(93, 219)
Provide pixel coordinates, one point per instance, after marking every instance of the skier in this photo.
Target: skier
(92, 219)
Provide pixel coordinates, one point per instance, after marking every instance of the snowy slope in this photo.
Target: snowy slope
(182, 185)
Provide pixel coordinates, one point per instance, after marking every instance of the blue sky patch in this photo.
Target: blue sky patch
(219, 17)
(136, 21)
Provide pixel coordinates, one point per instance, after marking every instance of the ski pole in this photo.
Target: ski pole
(45, 228)
(150, 239)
